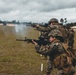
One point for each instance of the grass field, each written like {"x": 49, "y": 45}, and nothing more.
{"x": 19, "y": 58}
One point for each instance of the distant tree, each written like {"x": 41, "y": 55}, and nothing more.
{"x": 4, "y": 23}
{"x": 14, "y": 21}
{"x": 18, "y": 22}
{"x": 0, "y": 21}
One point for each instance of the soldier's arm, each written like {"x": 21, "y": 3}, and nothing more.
{"x": 46, "y": 29}
{"x": 43, "y": 29}
{"x": 45, "y": 50}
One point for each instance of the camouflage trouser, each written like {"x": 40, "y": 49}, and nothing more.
{"x": 64, "y": 68}
{"x": 70, "y": 43}
{"x": 50, "y": 66}
{"x": 74, "y": 62}
{"x": 69, "y": 70}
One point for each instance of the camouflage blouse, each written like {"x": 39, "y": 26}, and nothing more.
{"x": 47, "y": 29}
{"x": 53, "y": 49}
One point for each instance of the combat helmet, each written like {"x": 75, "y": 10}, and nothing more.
{"x": 53, "y": 20}
{"x": 56, "y": 33}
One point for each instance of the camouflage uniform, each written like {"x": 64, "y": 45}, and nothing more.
{"x": 70, "y": 44}
{"x": 58, "y": 56}
{"x": 65, "y": 33}
{"x": 43, "y": 36}
{"x": 46, "y": 30}
{"x": 50, "y": 28}
{"x": 71, "y": 38}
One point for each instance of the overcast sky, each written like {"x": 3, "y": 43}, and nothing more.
{"x": 37, "y": 10}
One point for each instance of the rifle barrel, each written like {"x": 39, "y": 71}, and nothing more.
{"x": 20, "y": 40}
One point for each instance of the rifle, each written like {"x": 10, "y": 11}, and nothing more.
{"x": 40, "y": 42}
{"x": 35, "y": 24}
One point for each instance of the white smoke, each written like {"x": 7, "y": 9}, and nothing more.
{"x": 20, "y": 30}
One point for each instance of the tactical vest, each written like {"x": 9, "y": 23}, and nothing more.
{"x": 70, "y": 52}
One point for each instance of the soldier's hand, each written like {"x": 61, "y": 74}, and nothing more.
{"x": 35, "y": 43}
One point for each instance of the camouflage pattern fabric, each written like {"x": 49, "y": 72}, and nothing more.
{"x": 71, "y": 38}
{"x": 56, "y": 51}
{"x": 51, "y": 28}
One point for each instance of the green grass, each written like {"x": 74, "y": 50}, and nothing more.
{"x": 19, "y": 58}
